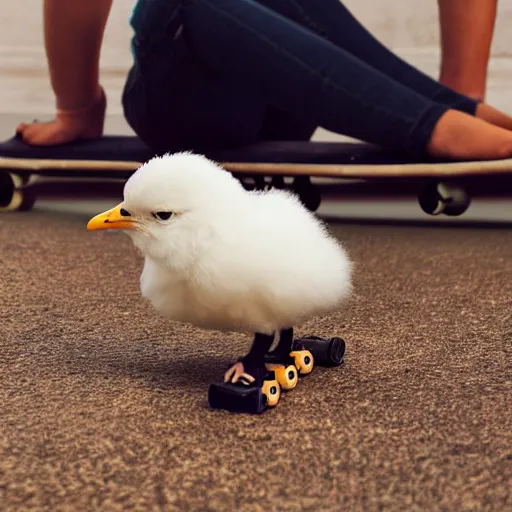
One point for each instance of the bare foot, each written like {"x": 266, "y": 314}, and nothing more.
{"x": 493, "y": 116}
{"x": 68, "y": 125}
{"x": 459, "y": 136}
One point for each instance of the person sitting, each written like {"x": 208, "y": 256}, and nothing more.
{"x": 227, "y": 73}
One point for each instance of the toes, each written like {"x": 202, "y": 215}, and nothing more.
{"x": 237, "y": 372}
{"x": 248, "y": 378}
{"x": 21, "y": 128}
{"x": 44, "y": 134}
{"x": 231, "y": 372}
{"x": 29, "y": 133}
{"x": 228, "y": 374}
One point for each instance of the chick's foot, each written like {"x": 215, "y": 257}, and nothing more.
{"x": 245, "y": 390}
{"x": 239, "y": 373}
{"x": 248, "y": 384}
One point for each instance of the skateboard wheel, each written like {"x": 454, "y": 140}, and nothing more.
{"x": 247, "y": 183}
{"x": 12, "y": 197}
{"x": 286, "y": 376}
{"x": 278, "y": 183}
{"x": 260, "y": 183}
{"x": 307, "y": 193}
{"x": 272, "y": 391}
{"x": 438, "y": 198}
{"x": 304, "y": 361}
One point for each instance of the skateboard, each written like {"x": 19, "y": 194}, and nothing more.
{"x": 441, "y": 187}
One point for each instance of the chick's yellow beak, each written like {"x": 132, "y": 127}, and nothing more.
{"x": 116, "y": 218}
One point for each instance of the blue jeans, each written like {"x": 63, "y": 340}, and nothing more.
{"x": 225, "y": 73}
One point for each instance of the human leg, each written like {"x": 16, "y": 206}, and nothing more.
{"x": 73, "y": 33}
{"x": 465, "y": 50}
{"x": 172, "y": 100}
{"x": 333, "y": 21}
{"x": 467, "y": 28}
{"x": 300, "y": 72}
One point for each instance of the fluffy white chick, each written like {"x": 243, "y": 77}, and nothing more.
{"x": 223, "y": 258}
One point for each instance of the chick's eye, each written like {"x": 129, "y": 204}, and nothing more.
{"x": 162, "y": 215}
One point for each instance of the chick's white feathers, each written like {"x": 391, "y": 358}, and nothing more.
{"x": 229, "y": 259}
{"x": 183, "y": 181}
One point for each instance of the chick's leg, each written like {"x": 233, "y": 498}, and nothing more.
{"x": 252, "y": 366}
{"x": 286, "y": 354}
{"x": 284, "y": 346}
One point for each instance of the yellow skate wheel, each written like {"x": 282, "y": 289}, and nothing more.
{"x": 272, "y": 391}
{"x": 304, "y": 361}
{"x": 287, "y": 376}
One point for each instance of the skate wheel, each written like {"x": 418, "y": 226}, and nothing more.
{"x": 278, "y": 183}
{"x": 272, "y": 392}
{"x": 336, "y": 351}
{"x": 326, "y": 351}
{"x": 307, "y": 193}
{"x": 286, "y": 376}
{"x": 438, "y": 198}
{"x": 13, "y": 198}
{"x": 304, "y": 361}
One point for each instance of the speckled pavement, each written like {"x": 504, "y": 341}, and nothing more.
{"x": 103, "y": 403}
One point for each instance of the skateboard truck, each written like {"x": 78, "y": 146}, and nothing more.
{"x": 326, "y": 351}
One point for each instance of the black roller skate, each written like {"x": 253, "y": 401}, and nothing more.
{"x": 244, "y": 396}
{"x": 254, "y": 383}
{"x": 326, "y": 351}
{"x": 249, "y": 386}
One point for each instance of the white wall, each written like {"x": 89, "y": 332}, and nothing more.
{"x": 412, "y": 24}
{"x": 402, "y": 24}
{"x": 408, "y": 26}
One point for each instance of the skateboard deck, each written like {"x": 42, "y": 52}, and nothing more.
{"x": 119, "y": 156}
